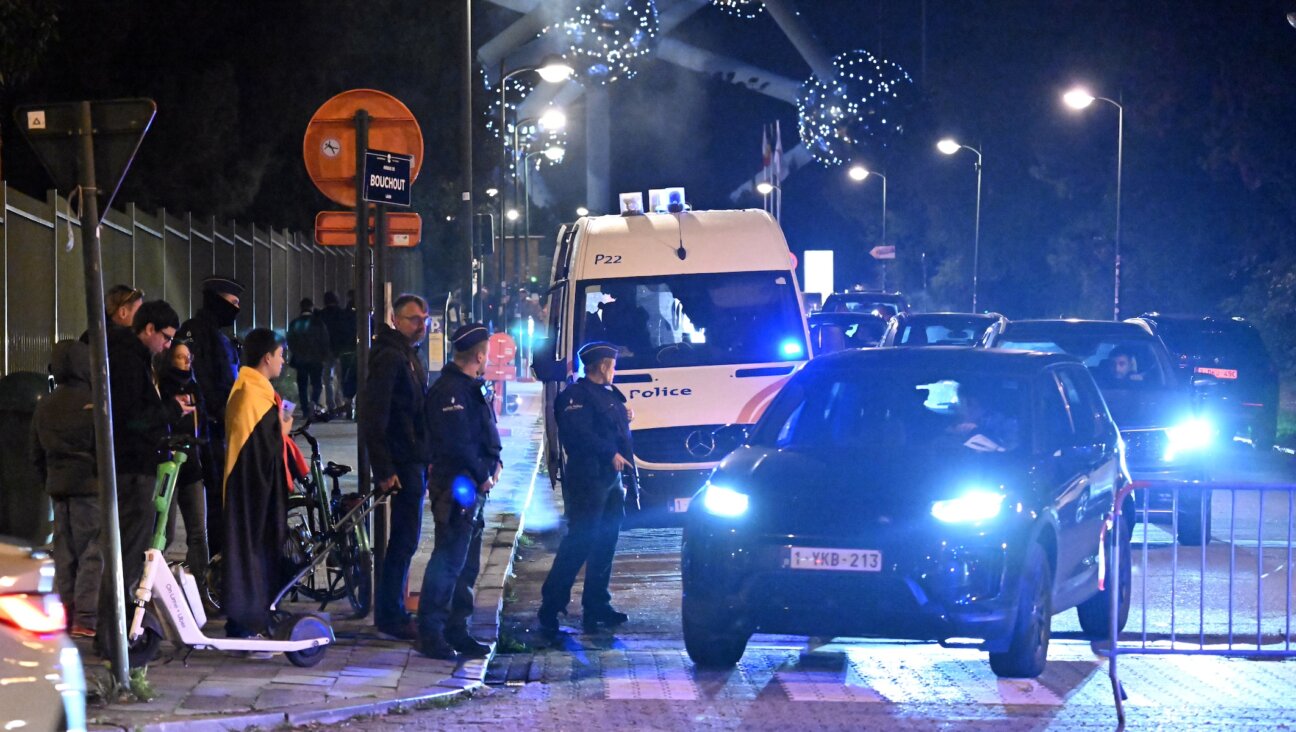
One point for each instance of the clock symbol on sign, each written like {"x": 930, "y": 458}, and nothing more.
{"x": 331, "y": 148}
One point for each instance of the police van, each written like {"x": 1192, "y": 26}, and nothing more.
{"x": 705, "y": 308}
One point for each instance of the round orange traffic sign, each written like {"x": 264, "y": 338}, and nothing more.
{"x": 329, "y": 148}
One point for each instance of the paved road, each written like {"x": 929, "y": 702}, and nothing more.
{"x": 641, "y": 676}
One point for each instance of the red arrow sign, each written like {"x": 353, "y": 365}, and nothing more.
{"x": 883, "y": 252}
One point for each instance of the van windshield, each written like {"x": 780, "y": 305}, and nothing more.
{"x": 670, "y": 321}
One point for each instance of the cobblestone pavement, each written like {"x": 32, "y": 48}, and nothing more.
{"x": 362, "y": 671}
{"x": 641, "y": 677}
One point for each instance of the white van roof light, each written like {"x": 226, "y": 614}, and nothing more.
{"x": 631, "y": 204}
{"x": 667, "y": 200}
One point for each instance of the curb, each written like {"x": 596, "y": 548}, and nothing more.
{"x": 499, "y": 564}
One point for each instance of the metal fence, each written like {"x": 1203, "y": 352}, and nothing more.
{"x": 1231, "y": 596}
{"x": 42, "y": 292}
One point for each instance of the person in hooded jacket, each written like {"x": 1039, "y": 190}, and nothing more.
{"x": 215, "y": 367}
{"x": 63, "y": 450}
{"x": 175, "y": 381}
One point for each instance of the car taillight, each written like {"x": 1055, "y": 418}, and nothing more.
{"x": 40, "y": 614}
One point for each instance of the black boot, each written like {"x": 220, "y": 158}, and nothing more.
{"x": 604, "y": 616}
{"x": 548, "y": 618}
{"x": 466, "y": 645}
{"x": 437, "y": 647}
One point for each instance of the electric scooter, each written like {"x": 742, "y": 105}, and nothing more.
{"x": 167, "y": 601}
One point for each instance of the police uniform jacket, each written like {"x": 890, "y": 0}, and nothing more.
{"x": 461, "y": 428}
{"x": 592, "y": 426}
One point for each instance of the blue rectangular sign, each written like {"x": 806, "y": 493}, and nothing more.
{"x": 387, "y": 177}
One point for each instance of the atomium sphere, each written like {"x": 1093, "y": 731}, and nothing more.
{"x": 605, "y": 40}
{"x": 864, "y": 106}
{"x": 745, "y": 9}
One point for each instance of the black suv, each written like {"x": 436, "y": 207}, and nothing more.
{"x": 934, "y": 493}
{"x": 1229, "y": 367}
{"x": 882, "y": 304}
{"x": 942, "y": 329}
{"x": 1167, "y": 443}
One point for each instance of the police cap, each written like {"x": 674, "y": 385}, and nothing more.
{"x": 223, "y": 286}
{"x": 592, "y": 353}
{"x": 467, "y": 336}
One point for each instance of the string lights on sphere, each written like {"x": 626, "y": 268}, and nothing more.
{"x": 864, "y": 105}
{"x": 745, "y": 9}
{"x": 605, "y": 40}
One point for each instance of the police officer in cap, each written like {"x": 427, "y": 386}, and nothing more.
{"x": 465, "y": 448}
{"x": 594, "y": 430}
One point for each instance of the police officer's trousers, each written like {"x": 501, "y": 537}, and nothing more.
{"x": 590, "y": 541}
{"x": 446, "y": 600}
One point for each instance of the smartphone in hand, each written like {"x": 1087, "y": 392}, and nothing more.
{"x": 288, "y": 408}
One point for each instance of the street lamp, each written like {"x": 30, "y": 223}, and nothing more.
{"x": 859, "y": 174}
{"x": 512, "y": 214}
{"x": 492, "y": 192}
{"x": 1078, "y": 99}
{"x": 553, "y": 153}
{"x": 582, "y": 211}
{"x": 949, "y": 147}
{"x": 765, "y": 188}
{"x": 552, "y": 69}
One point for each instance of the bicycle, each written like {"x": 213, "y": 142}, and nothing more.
{"x": 313, "y": 514}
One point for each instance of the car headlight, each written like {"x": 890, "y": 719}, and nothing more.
{"x": 973, "y": 506}
{"x": 1190, "y": 435}
{"x": 721, "y": 501}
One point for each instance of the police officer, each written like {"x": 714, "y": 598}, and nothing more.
{"x": 594, "y": 430}
{"x": 465, "y": 448}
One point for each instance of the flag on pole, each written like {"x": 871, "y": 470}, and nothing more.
{"x": 778, "y": 171}
{"x": 766, "y": 155}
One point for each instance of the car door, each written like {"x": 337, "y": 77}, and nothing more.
{"x": 1090, "y": 470}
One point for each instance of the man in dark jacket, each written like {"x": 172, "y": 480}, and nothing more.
{"x": 396, "y": 435}
{"x": 341, "y": 340}
{"x": 63, "y": 449}
{"x": 141, "y": 420}
{"x": 465, "y": 466}
{"x": 215, "y": 366}
{"x": 594, "y": 430}
{"x": 308, "y": 349}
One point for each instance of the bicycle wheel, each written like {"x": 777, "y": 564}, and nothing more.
{"x": 358, "y": 573}
{"x": 326, "y": 583}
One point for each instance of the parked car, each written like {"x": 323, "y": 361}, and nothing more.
{"x": 1230, "y": 368}
{"x": 882, "y": 304}
{"x": 832, "y": 332}
{"x": 942, "y": 329}
{"x": 944, "y": 494}
{"x": 42, "y": 683}
{"x": 1167, "y": 444}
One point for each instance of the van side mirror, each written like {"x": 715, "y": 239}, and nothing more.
{"x": 547, "y": 368}
{"x": 729, "y": 438}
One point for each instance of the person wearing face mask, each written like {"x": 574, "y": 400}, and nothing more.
{"x": 215, "y": 367}
{"x": 175, "y": 381}
{"x": 465, "y": 450}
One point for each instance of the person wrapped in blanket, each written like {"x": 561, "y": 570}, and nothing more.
{"x": 261, "y": 462}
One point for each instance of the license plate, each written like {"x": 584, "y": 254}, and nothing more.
{"x": 1218, "y": 373}
{"x": 680, "y": 505}
{"x": 838, "y": 560}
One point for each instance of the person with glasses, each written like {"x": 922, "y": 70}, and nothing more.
{"x": 395, "y": 433}
{"x": 141, "y": 418}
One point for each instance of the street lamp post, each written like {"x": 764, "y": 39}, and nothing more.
{"x": 553, "y": 70}
{"x": 859, "y": 174}
{"x": 949, "y": 147}
{"x": 554, "y": 153}
{"x": 765, "y": 188}
{"x": 1079, "y": 99}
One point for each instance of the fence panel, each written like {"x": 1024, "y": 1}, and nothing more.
{"x": 264, "y": 307}
{"x": 29, "y": 298}
{"x": 69, "y": 285}
{"x": 176, "y": 268}
{"x": 118, "y": 252}
{"x": 278, "y": 294}
{"x": 149, "y": 256}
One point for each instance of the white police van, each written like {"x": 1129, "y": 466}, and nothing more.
{"x": 705, "y": 307}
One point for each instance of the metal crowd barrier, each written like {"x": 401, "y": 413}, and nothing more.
{"x": 1208, "y": 612}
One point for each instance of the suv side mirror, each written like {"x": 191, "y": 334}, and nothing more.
{"x": 729, "y": 438}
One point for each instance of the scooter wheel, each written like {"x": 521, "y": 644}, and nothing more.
{"x": 306, "y": 627}
{"x": 144, "y": 649}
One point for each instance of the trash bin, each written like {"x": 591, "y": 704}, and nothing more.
{"x": 25, "y": 509}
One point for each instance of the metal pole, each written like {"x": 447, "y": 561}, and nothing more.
{"x": 381, "y": 517}
{"x": 363, "y": 299}
{"x": 110, "y": 538}
{"x": 466, "y": 160}
{"x": 504, "y": 153}
{"x": 520, "y": 260}
{"x": 884, "y": 239}
{"x": 1120, "y": 163}
{"x": 976, "y": 237}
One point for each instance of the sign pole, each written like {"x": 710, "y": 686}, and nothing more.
{"x": 465, "y": 146}
{"x": 382, "y": 517}
{"x": 363, "y": 299}
{"x": 110, "y": 538}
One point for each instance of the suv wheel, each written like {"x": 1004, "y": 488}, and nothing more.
{"x": 1095, "y": 613}
{"x": 1028, "y": 650}
{"x": 711, "y": 642}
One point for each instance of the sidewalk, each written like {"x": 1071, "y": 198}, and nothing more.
{"x": 362, "y": 673}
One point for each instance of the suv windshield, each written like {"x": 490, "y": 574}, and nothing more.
{"x": 1115, "y": 362}
{"x": 945, "y": 332}
{"x": 694, "y": 320}
{"x": 1227, "y": 345}
{"x": 893, "y": 411}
